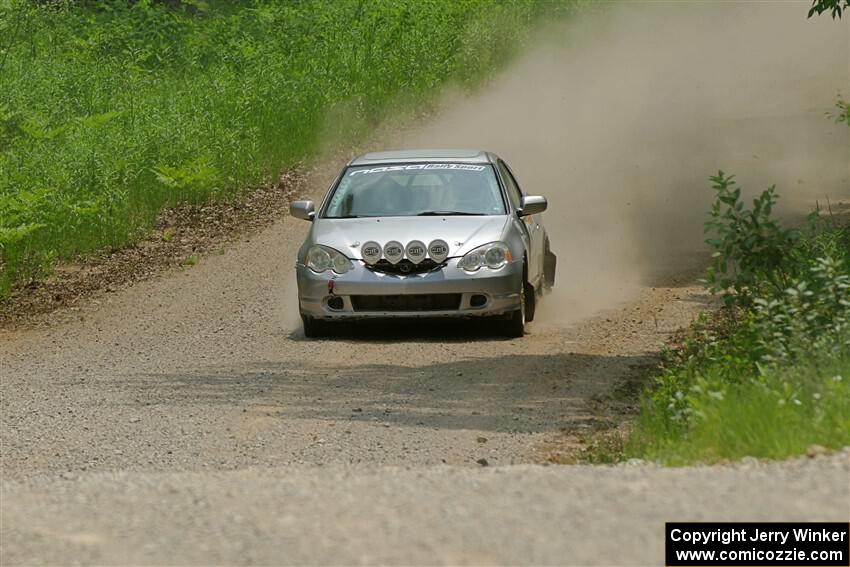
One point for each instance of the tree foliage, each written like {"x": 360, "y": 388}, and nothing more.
{"x": 834, "y": 7}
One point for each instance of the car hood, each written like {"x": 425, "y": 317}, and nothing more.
{"x": 462, "y": 233}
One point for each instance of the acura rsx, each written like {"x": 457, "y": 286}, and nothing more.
{"x": 423, "y": 233}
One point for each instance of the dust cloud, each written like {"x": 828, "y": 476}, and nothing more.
{"x": 620, "y": 117}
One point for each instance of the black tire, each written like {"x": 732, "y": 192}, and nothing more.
{"x": 514, "y": 324}
{"x": 550, "y": 263}
{"x": 314, "y": 328}
{"x": 530, "y": 301}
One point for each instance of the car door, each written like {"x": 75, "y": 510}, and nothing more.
{"x": 529, "y": 225}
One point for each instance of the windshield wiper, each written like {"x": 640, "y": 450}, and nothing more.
{"x": 446, "y": 213}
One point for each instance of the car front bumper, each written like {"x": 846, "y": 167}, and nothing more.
{"x": 483, "y": 293}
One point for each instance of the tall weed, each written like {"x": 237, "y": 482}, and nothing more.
{"x": 112, "y": 110}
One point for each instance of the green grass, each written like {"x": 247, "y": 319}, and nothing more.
{"x": 112, "y": 110}
{"x": 775, "y": 416}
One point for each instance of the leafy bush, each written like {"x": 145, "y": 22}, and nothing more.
{"x": 834, "y": 7}
{"x": 749, "y": 247}
{"x": 112, "y": 110}
{"x": 841, "y": 112}
{"x": 768, "y": 375}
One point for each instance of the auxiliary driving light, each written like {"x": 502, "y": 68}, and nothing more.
{"x": 371, "y": 252}
{"x": 393, "y": 251}
{"x": 438, "y": 250}
{"x": 416, "y": 251}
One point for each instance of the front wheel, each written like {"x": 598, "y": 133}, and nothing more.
{"x": 514, "y": 325}
{"x": 314, "y": 328}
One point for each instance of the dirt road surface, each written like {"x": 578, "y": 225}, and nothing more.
{"x": 181, "y": 422}
{"x": 523, "y": 515}
{"x": 187, "y": 420}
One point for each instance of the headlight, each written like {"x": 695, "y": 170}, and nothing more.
{"x": 321, "y": 259}
{"x": 493, "y": 255}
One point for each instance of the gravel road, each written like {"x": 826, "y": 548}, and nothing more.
{"x": 186, "y": 420}
{"x": 522, "y": 514}
{"x": 206, "y": 370}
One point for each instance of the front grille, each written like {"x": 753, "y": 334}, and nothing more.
{"x": 405, "y": 267}
{"x": 416, "y": 302}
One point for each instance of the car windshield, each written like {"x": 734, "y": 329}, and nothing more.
{"x": 416, "y": 189}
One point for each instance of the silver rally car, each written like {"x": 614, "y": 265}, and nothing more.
{"x": 423, "y": 233}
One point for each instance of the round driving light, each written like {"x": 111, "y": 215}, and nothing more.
{"x": 495, "y": 257}
{"x": 371, "y": 252}
{"x": 472, "y": 261}
{"x": 438, "y": 250}
{"x": 393, "y": 251}
{"x": 416, "y": 251}
{"x": 341, "y": 264}
{"x": 318, "y": 259}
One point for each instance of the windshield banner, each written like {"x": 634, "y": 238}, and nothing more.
{"x": 415, "y": 166}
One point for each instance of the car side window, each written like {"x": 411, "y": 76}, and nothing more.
{"x": 514, "y": 193}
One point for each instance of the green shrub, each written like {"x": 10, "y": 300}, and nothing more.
{"x": 749, "y": 245}
{"x": 769, "y": 375}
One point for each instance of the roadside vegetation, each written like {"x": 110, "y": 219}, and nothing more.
{"x": 768, "y": 376}
{"x": 112, "y": 110}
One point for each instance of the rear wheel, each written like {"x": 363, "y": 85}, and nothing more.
{"x": 550, "y": 262}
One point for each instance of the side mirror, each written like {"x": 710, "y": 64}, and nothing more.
{"x": 532, "y": 205}
{"x": 304, "y": 210}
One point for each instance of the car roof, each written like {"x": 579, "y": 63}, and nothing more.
{"x": 407, "y": 156}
